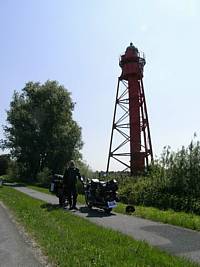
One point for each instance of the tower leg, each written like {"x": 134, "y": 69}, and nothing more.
{"x": 113, "y": 124}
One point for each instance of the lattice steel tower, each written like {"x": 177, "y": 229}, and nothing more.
{"x": 133, "y": 149}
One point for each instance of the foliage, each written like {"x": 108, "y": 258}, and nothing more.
{"x": 69, "y": 240}
{"x": 44, "y": 177}
{"x": 4, "y": 163}
{"x": 173, "y": 182}
{"x": 41, "y": 131}
{"x": 13, "y": 172}
{"x": 85, "y": 169}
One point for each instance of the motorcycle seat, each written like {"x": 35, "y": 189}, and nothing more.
{"x": 103, "y": 183}
{"x": 95, "y": 181}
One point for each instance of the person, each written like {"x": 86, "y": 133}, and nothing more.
{"x": 70, "y": 181}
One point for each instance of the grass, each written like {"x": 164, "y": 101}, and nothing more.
{"x": 69, "y": 240}
{"x": 183, "y": 219}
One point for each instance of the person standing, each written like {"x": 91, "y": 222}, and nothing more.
{"x": 70, "y": 183}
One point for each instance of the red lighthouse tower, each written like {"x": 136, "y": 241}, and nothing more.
{"x": 130, "y": 120}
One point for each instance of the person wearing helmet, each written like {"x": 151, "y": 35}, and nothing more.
{"x": 70, "y": 180}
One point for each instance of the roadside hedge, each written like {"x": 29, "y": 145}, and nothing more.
{"x": 172, "y": 183}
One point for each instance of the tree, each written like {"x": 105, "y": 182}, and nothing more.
{"x": 4, "y": 163}
{"x": 85, "y": 169}
{"x": 41, "y": 132}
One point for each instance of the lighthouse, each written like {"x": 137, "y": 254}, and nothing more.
{"x": 134, "y": 150}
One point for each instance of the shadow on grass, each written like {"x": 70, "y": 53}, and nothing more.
{"x": 50, "y": 207}
{"x": 95, "y": 212}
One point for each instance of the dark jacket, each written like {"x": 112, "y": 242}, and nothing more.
{"x": 70, "y": 176}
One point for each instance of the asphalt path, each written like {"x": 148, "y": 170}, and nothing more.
{"x": 14, "y": 249}
{"x": 173, "y": 239}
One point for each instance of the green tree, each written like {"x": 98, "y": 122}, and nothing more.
{"x": 85, "y": 169}
{"x": 4, "y": 163}
{"x": 41, "y": 132}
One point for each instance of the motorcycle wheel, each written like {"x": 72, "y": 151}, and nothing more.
{"x": 88, "y": 203}
{"x": 60, "y": 200}
{"x": 108, "y": 211}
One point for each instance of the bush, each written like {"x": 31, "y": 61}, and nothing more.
{"x": 172, "y": 183}
{"x": 4, "y": 163}
{"x": 13, "y": 172}
{"x": 44, "y": 177}
{"x": 85, "y": 169}
{"x": 80, "y": 188}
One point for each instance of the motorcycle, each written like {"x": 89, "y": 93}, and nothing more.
{"x": 100, "y": 194}
{"x": 57, "y": 188}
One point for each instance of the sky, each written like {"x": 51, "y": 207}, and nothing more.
{"x": 78, "y": 43}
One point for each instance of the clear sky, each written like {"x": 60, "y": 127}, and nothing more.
{"x": 79, "y": 43}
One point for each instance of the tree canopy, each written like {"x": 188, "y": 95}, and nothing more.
{"x": 41, "y": 132}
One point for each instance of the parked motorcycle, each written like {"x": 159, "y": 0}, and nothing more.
{"x": 100, "y": 194}
{"x": 57, "y": 188}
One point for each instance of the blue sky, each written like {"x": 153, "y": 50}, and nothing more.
{"x": 79, "y": 43}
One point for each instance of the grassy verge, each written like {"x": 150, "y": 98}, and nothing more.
{"x": 69, "y": 240}
{"x": 183, "y": 219}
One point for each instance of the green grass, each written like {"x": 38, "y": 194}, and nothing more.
{"x": 69, "y": 240}
{"x": 183, "y": 219}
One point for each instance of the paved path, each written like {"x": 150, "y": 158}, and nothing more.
{"x": 176, "y": 240}
{"x": 14, "y": 251}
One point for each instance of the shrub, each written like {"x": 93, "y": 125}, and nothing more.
{"x": 44, "y": 177}
{"x": 13, "y": 172}
{"x": 172, "y": 183}
{"x": 4, "y": 163}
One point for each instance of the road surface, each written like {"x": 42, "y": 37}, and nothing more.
{"x": 14, "y": 250}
